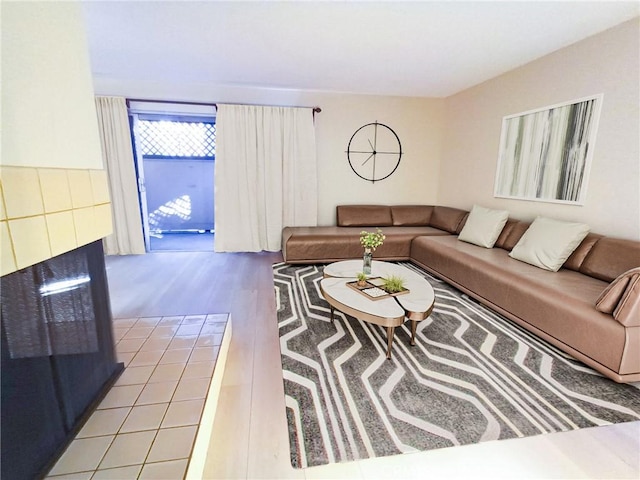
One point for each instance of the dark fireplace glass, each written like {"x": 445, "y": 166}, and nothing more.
{"x": 58, "y": 357}
{"x": 47, "y": 309}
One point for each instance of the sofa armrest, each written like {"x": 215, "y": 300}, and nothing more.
{"x": 286, "y": 235}
{"x": 622, "y": 298}
{"x": 628, "y": 310}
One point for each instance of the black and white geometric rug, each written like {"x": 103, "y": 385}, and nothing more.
{"x": 473, "y": 376}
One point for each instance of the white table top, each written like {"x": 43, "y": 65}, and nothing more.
{"x": 419, "y": 299}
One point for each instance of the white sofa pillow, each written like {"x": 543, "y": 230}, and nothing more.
{"x": 483, "y": 226}
{"x": 548, "y": 243}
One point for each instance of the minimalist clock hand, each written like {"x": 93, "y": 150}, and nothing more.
{"x": 373, "y": 178}
{"x": 369, "y": 158}
{"x": 375, "y": 136}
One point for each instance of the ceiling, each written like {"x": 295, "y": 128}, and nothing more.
{"x": 420, "y": 48}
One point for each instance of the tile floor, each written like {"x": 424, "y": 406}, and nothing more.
{"x": 146, "y": 425}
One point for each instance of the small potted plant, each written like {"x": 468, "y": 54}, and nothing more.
{"x": 362, "y": 279}
{"x": 370, "y": 241}
{"x": 393, "y": 284}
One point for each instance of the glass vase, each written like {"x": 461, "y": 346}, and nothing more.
{"x": 367, "y": 258}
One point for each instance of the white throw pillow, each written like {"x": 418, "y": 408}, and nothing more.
{"x": 483, "y": 226}
{"x": 548, "y": 243}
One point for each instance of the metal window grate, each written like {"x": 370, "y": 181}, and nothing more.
{"x": 169, "y": 138}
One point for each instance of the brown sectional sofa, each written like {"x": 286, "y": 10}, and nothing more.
{"x": 557, "y": 306}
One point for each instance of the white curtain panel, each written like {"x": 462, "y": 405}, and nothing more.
{"x": 117, "y": 154}
{"x": 265, "y": 175}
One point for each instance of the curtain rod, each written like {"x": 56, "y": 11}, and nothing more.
{"x": 315, "y": 109}
{"x": 177, "y": 102}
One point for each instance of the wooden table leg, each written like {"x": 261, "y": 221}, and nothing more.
{"x": 332, "y": 312}
{"x": 414, "y": 324}
{"x": 390, "y": 332}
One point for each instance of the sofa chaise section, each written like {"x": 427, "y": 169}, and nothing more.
{"x": 558, "y": 306}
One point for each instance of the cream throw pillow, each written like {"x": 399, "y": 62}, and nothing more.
{"x": 483, "y": 226}
{"x": 548, "y": 243}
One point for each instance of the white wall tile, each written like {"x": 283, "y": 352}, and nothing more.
{"x": 21, "y": 188}
{"x": 81, "y": 189}
{"x": 100, "y": 185}
{"x": 55, "y": 189}
{"x": 84, "y": 220}
{"x": 30, "y": 240}
{"x": 62, "y": 232}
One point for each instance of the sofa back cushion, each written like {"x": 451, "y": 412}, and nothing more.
{"x": 448, "y": 219}
{"x": 411, "y": 215}
{"x": 574, "y": 262}
{"x": 511, "y": 234}
{"x": 363, "y": 216}
{"x": 504, "y": 234}
{"x": 610, "y": 257}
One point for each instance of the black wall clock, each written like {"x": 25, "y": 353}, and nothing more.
{"x": 374, "y": 151}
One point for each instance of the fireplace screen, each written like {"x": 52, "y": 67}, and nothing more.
{"x": 47, "y": 309}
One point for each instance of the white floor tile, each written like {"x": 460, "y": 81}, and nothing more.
{"x": 120, "y": 473}
{"x": 174, "y": 469}
{"x": 144, "y": 417}
{"x": 123, "y": 396}
{"x": 128, "y": 449}
{"x": 172, "y": 444}
{"x": 104, "y": 422}
{"x": 135, "y": 375}
{"x": 157, "y": 393}
{"x": 82, "y": 455}
{"x": 184, "y": 413}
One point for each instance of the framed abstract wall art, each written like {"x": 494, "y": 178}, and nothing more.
{"x": 545, "y": 154}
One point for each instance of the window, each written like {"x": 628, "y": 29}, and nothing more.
{"x": 175, "y": 137}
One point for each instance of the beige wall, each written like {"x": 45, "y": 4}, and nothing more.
{"x": 607, "y": 63}
{"x": 48, "y": 114}
{"x": 417, "y": 121}
{"x": 418, "y": 124}
{"x": 53, "y": 189}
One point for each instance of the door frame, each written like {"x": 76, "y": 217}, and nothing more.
{"x": 142, "y": 191}
{"x": 134, "y": 119}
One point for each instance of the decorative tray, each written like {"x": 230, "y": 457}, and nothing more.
{"x": 374, "y": 289}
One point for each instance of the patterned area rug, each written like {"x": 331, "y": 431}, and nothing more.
{"x": 473, "y": 376}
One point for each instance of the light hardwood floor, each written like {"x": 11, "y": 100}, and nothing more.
{"x": 249, "y": 438}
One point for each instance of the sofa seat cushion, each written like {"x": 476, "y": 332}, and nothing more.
{"x": 325, "y": 244}
{"x": 561, "y": 304}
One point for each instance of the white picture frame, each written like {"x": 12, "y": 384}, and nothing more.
{"x": 545, "y": 154}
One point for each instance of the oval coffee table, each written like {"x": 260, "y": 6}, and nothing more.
{"x": 388, "y": 312}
